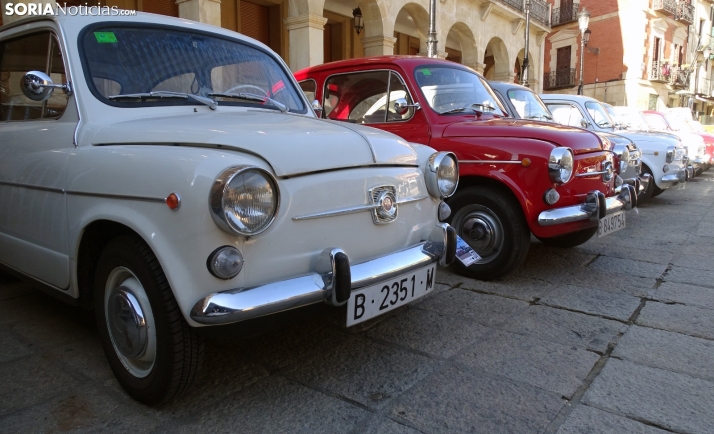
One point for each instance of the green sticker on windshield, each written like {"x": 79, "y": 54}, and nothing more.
{"x": 425, "y": 71}
{"x": 106, "y": 37}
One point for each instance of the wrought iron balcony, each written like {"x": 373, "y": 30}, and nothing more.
{"x": 565, "y": 14}
{"x": 660, "y": 71}
{"x": 679, "y": 77}
{"x": 685, "y": 13}
{"x": 540, "y": 11}
{"x": 559, "y": 79}
{"x": 515, "y": 4}
{"x": 668, "y": 7}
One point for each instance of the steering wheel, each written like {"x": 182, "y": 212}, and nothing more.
{"x": 250, "y": 86}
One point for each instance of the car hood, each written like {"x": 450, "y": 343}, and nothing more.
{"x": 579, "y": 140}
{"x": 291, "y": 144}
{"x": 646, "y": 136}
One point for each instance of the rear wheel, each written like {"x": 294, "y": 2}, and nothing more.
{"x": 570, "y": 240}
{"x": 492, "y": 223}
{"x": 152, "y": 351}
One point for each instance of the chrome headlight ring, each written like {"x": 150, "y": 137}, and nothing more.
{"x": 244, "y": 200}
{"x": 561, "y": 164}
{"x": 442, "y": 174}
{"x": 623, "y": 155}
{"x": 670, "y": 154}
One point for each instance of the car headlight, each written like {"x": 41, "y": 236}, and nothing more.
{"x": 442, "y": 174}
{"x": 560, "y": 165}
{"x": 623, "y": 154}
{"x": 671, "y": 150}
{"x": 244, "y": 200}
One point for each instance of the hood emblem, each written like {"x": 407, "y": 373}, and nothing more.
{"x": 385, "y": 199}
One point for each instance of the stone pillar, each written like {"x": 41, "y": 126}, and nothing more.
{"x": 305, "y": 33}
{"x": 507, "y": 77}
{"x": 378, "y": 45}
{"x": 439, "y": 54}
{"x": 6, "y": 19}
{"x": 203, "y": 11}
{"x": 476, "y": 66}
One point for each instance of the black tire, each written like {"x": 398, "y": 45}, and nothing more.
{"x": 500, "y": 224}
{"x": 649, "y": 191}
{"x": 570, "y": 240}
{"x": 657, "y": 191}
{"x": 173, "y": 354}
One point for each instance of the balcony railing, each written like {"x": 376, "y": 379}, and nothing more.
{"x": 540, "y": 11}
{"x": 559, "y": 79}
{"x": 685, "y": 13}
{"x": 515, "y": 4}
{"x": 668, "y": 7}
{"x": 679, "y": 77}
{"x": 565, "y": 14}
{"x": 660, "y": 71}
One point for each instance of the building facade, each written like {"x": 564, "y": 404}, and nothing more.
{"x": 486, "y": 35}
{"x": 639, "y": 52}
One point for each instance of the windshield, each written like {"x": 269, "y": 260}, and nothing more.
{"x": 455, "y": 90}
{"x": 599, "y": 115}
{"x": 656, "y": 122}
{"x": 678, "y": 124}
{"x": 123, "y": 64}
{"x": 633, "y": 120}
{"x": 528, "y": 105}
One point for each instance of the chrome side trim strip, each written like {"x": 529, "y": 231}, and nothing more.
{"x": 352, "y": 210}
{"x": 602, "y": 172}
{"x": 118, "y": 196}
{"x": 491, "y": 161}
{"x": 33, "y": 187}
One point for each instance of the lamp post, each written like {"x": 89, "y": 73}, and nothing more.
{"x": 431, "y": 38}
{"x": 524, "y": 67}
{"x": 359, "y": 24}
{"x": 583, "y": 20}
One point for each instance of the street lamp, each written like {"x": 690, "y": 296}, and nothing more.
{"x": 583, "y": 20}
{"x": 524, "y": 71}
{"x": 359, "y": 24}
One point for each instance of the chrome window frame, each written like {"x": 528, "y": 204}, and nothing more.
{"x": 391, "y": 71}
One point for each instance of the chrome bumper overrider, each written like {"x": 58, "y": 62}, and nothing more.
{"x": 596, "y": 206}
{"x": 682, "y": 175}
{"x": 331, "y": 282}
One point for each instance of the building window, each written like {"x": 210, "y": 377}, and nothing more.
{"x": 652, "y": 105}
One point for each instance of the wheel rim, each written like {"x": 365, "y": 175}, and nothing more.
{"x": 130, "y": 322}
{"x": 482, "y": 230}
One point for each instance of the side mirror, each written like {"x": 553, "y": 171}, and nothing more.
{"x": 584, "y": 123}
{"x": 317, "y": 108}
{"x": 38, "y": 86}
{"x": 401, "y": 106}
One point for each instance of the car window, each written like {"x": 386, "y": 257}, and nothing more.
{"x": 309, "y": 88}
{"x": 566, "y": 114}
{"x": 599, "y": 115}
{"x": 122, "y": 62}
{"x": 528, "y": 105}
{"x": 36, "y": 52}
{"x": 365, "y": 97}
{"x": 656, "y": 122}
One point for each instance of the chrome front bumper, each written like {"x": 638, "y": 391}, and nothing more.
{"x": 331, "y": 282}
{"x": 596, "y": 206}
{"x": 682, "y": 175}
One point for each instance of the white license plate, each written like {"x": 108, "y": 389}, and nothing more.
{"x": 375, "y": 300}
{"x": 611, "y": 223}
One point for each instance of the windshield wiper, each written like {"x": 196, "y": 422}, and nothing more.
{"x": 163, "y": 94}
{"x": 539, "y": 117}
{"x": 455, "y": 110}
{"x": 604, "y": 124}
{"x": 253, "y": 97}
{"x": 486, "y": 107}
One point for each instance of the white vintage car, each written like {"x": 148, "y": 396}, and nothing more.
{"x": 172, "y": 176}
{"x": 664, "y": 157}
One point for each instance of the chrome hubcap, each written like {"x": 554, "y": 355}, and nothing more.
{"x": 130, "y": 322}
{"x": 482, "y": 230}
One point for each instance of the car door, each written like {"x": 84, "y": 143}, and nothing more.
{"x": 368, "y": 98}
{"x": 36, "y": 138}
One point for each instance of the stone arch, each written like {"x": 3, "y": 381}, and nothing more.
{"x": 462, "y": 33}
{"x": 532, "y": 62}
{"x": 499, "y": 67}
{"x": 420, "y": 17}
{"x": 298, "y": 8}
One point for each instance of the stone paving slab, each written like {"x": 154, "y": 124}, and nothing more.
{"x": 12, "y": 347}
{"x": 627, "y": 252}
{"x": 273, "y": 405}
{"x": 564, "y": 327}
{"x": 690, "y": 260}
{"x": 547, "y": 365}
{"x": 456, "y": 400}
{"x": 628, "y": 266}
{"x": 692, "y": 276}
{"x": 592, "y": 301}
{"x": 364, "y": 371}
{"x": 664, "y": 398}
{"x": 674, "y": 292}
{"x": 15, "y": 289}
{"x": 602, "y": 280}
{"x": 689, "y": 320}
{"x": 589, "y": 420}
{"x": 429, "y": 331}
{"x": 511, "y": 286}
{"x": 488, "y": 310}
{"x": 667, "y": 350}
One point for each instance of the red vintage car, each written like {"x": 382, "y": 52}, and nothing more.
{"x": 517, "y": 176}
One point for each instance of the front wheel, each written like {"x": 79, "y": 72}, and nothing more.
{"x": 152, "y": 351}
{"x": 492, "y": 223}
{"x": 648, "y": 192}
{"x": 570, "y": 240}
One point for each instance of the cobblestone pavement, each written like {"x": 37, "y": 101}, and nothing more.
{"x": 615, "y": 336}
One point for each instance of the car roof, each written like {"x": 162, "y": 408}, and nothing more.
{"x": 567, "y": 96}
{"x": 406, "y": 62}
{"x": 503, "y": 86}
